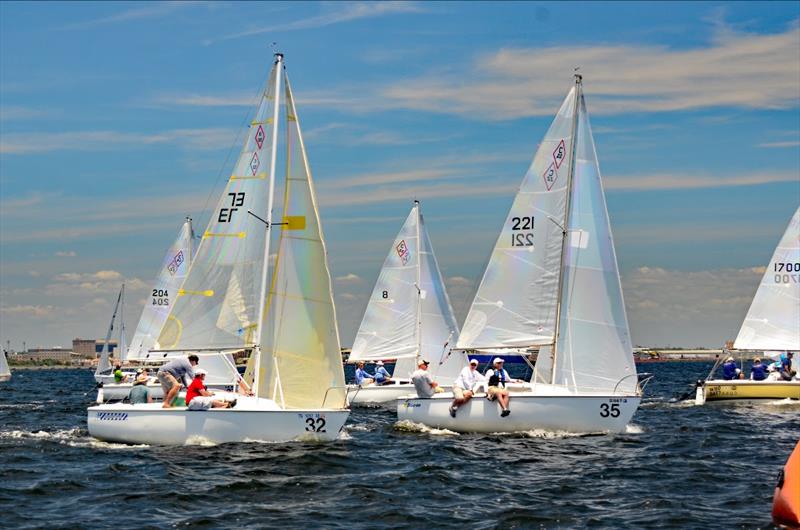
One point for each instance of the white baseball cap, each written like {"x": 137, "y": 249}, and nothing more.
{"x": 200, "y": 371}
{"x": 497, "y": 360}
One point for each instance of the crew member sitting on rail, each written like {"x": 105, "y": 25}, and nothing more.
{"x": 786, "y": 367}
{"x": 119, "y": 377}
{"x": 729, "y": 370}
{"x": 759, "y": 371}
{"x": 498, "y": 378}
{"x": 198, "y": 397}
{"x": 423, "y": 381}
{"x": 362, "y": 376}
{"x": 382, "y": 377}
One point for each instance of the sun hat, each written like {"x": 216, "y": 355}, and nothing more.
{"x": 473, "y": 361}
{"x": 200, "y": 371}
{"x": 379, "y": 363}
{"x": 497, "y": 360}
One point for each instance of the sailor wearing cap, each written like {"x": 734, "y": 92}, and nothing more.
{"x": 498, "y": 377}
{"x": 464, "y": 385}
{"x": 423, "y": 381}
{"x": 382, "y": 377}
{"x": 729, "y": 370}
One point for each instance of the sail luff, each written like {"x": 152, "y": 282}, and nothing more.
{"x": 270, "y": 201}
{"x": 5, "y": 371}
{"x": 565, "y": 232}
{"x": 122, "y": 346}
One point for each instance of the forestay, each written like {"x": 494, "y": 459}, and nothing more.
{"x": 217, "y": 306}
{"x": 773, "y": 321}
{"x": 164, "y": 292}
{"x": 515, "y": 305}
{"x": 593, "y": 351}
{"x": 300, "y": 361}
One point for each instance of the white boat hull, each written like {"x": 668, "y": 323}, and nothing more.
{"x": 120, "y": 391}
{"x": 378, "y": 394}
{"x": 252, "y": 420}
{"x": 529, "y": 411}
{"x": 4, "y": 378}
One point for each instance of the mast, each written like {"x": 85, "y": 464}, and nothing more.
{"x": 565, "y": 229}
{"x": 191, "y": 238}
{"x": 270, "y": 197}
{"x": 123, "y": 347}
{"x": 419, "y": 290}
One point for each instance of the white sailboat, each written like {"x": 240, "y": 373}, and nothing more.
{"x": 163, "y": 294}
{"x": 5, "y": 371}
{"x": 772, "y": 325}
{"x": 104, "y": 372}
{"x": 408, "y": 317}
{"x": 229, "y": 302}
{"x": 552, "y": 282}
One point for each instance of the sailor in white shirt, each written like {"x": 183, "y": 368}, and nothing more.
{"x": 464, "y": 385}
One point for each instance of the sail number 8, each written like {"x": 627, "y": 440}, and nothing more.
{"x": 607, "y": 410}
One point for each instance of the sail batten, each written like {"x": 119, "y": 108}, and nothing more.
{"x": 773, "y": 319}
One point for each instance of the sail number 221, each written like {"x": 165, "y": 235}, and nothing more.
{"x": 521, "y": 235}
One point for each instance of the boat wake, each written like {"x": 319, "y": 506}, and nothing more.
{"x": 410, "y": 426}
{"x": 71, "y": 437}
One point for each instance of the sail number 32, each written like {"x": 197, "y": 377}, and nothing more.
{"x": 315, "y": 424}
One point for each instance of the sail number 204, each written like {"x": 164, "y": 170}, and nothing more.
{"x": 782, "y": 270}
{"x": 521, "y": 231}
{"x": 160, "y": 297}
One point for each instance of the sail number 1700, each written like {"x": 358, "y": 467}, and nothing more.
{"x": 521, "y": 235}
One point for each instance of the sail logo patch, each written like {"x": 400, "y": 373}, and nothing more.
{"x": 175, "y": 263}
{"x": 260, "y": 136}
{"x": 560, "y": 153}
{"x": 550, "y": 176}
{"x": 403, "y": 251}
{"x": 254, "y": 163}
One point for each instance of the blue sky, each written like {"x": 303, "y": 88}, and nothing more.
{"x": 116, "y": 120}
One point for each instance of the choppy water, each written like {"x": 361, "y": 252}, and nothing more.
{"x": 677, "y": 466}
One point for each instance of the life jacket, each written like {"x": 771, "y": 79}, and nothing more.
{"x": 498, "y": 378}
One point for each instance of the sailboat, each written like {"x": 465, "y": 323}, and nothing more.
{"x": 232, "y": 300}
{"x": 104, "y": 372}
{"x": 5, "y": 371}
{"x": 772, "y": 325}
{"x": 408, "y": 317}
{"x": 552, "y": 283}
{"x": 155, "y": 313}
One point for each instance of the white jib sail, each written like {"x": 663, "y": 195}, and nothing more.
{"x": 163, "y": 293}
{"x": 773, "y": 321}
{"x": 4, "y": 369}
{"x": 104, "y": 363}
{"x": 300, "y": 365}
{"x": 515, "y": 305}
{"x": 594, "y": 351}
{"x": 217, "y": 306}
{"x": 390, "y": 329}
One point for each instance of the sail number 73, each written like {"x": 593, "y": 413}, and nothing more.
{"x": 522, "y": 231}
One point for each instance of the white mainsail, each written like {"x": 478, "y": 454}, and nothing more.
{"x": 104, "y": 364}
{"x": 773, "y": 320}
{"x": 594, "y": 351}
{"x": 299, "y": 362}
{"x": 515, "y": 305}
{"x": 164, "y": 292}
{"x": 409, "y": 313}
{"x": 230, "y": 257}
{"x": 5, "y": 371}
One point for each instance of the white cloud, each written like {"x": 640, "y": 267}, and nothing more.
{"x": 675, "y": 181}
{"x": 697, "y": 308}
{"x": 148, "y": 10}
{"x": 28, "y": 310}
{"x": 66, "y": 253}
{"x": 519, "y": 82}
{"x": 195, "y": 139}
{"x": 344, "y": 12}
{"x": 11, "y": 112}
{"x": 794, "y": 143}
{"x": 349, "y": 278}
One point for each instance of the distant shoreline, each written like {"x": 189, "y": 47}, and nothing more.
{"x": 15, "y": 367}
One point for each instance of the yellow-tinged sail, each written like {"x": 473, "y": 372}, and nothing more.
{"x": 300, "y": 364}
